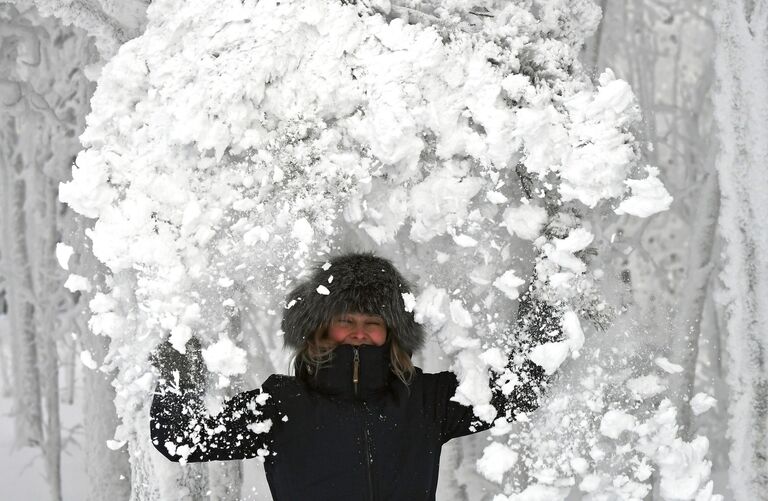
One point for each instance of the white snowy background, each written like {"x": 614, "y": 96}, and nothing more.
{"x": 168, "y": 169}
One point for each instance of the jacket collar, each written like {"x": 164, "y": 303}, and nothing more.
{"x": 336, "y": 378}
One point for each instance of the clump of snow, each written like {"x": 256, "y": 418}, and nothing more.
{"x": 180, "y": 334}
{"x": 649, "y": 196}
{"x": 701, "y": 403}
{"x": 525, "y": 221}
{"x": 87, "y": 360}
{"x": 508, "y": 283}
{"x": 63, "y": 253}
{"x": 646, "y": 386}
{"x": 225, "y": 358}
{"x": 77, "y": 283}
{"x": 430, "y": 307}
{"x": 549, "y": 356}
{"x": 409, "y": 300}
{"x": 497, "y": 459}
{"x": 573, "y": 332}
{"x": 115, "y": 444}
{"x": 260, "y": 426}
{"x": 668, "y": 366}
{"x": 615, "y": 422}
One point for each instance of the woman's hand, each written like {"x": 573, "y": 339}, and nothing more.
{"x": 186, "y": 370}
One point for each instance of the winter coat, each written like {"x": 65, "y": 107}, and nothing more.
{"x": 329, "y": 438}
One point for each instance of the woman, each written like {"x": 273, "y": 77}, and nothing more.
{"x": 357, "y": 421}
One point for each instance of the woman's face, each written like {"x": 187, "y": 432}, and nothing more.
{"x": 357, "y": 329}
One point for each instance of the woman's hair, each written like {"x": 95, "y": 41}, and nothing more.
{"x": 317, "y": 352}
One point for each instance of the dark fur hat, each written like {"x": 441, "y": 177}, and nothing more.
{"x": 353, "y": 283}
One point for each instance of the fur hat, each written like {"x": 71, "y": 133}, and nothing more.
{"x": 351, "y": 283}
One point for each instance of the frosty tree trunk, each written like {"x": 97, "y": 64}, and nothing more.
{"x": 685, "y": 344}
{"x": 108, "y": 471}
{"x": 21, "y": 311}
{"x": 741, "y": 110}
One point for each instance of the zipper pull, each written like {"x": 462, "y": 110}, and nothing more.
{"x": 356, "y": 370}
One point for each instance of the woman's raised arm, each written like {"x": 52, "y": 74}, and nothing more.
{"x": 536, "y": 323}
{"x": 183, "y": 431}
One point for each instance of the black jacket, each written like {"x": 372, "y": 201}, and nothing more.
{"x": 330, "y": 439}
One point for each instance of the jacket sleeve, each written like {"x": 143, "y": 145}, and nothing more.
{"x": 182, "y": 430}
{"x": 517, "y": 390}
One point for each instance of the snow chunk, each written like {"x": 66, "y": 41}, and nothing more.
{"x": 579, "y": 465}
{"x": 496, "y": 461}
{"x": 225, "y": 358}
{"x": 573, "y": 332}
{"x": 409, "y": 300}
{"x": 432, "y": 216}
{"x": 77, "y": 283}
{"x": 87, "y": 359}
{"x": 302, "y": 231}
{"x": 590, "y": 483}
{"x": 464, "y": 241}
{"x": 89, "y": 191}
{"x": 495, "y": 358}
{"x": 683, "y": 468}
{"x": 260, "y": 426}
{"x": 495, "y": 197}
{"x": 649, "y": 196}
{"x": 525, "y": 221}
{"x": 561, "y": 250}
{"x": 255, "y": 235}
{"x": 179, "y": 337}
{"x": 577, "y": 240}
{"x": 322, "y": 289}
{"x": 430, "y": 307}
{"x": 614, "y": 422}
{"x": 459, "y": 315}
{"x": 508, "y": 284}
{"x": 116, "y": 444}
{"x": 645, "y": 386}
{"x": 63, "y": 253}
{"x": 668, "y": 366}
{"x": 549, "y": 356}
{"x": 701, "y": 403}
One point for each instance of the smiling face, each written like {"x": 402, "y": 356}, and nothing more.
{"x": 357, "y": 329}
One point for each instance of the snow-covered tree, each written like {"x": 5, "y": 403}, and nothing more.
{"x": 741, "y": 112}
{"x": 43, "y": 100}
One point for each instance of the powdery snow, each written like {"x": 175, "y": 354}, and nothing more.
{"x": 701, "y": 403}
{"x": 549, "y": 356}
{"x": 615, "y": 422}
{"x": 648, "y": 196}
{"x": 63, "y": 253}
{"x": 225, "y": 358}
{"x": 209, "y": 162}
{"x": 497, "y": 459}
{"x": 77, "y": 283}
{"x": 508, "y": 283}
{"x": 525, "y": 221}
{"x": 668, "y": 366}
{"x": 646, "y": 386}
{"x": 87, "y": 360}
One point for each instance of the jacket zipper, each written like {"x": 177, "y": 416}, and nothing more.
{"x": 366, "y": 447}
{"x": 356, "y": 370}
